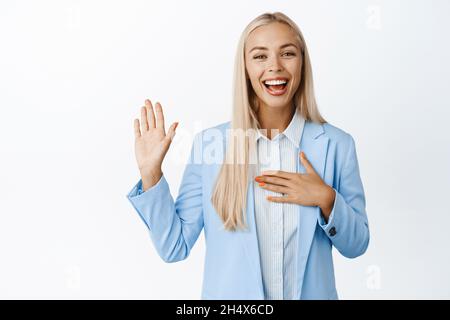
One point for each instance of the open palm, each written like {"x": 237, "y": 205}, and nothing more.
{"x": 151, "y": 140}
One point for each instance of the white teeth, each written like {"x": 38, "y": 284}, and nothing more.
{"x": 275, "y": 82}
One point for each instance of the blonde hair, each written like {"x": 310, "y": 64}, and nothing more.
{"x": 229, "y": 196}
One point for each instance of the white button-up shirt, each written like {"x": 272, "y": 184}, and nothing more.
{"x": 277, "y": 223}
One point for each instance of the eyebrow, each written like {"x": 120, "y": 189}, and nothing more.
{"x": 281, "y": 47}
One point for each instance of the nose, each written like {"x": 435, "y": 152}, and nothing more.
{"x": 275, "y": 65}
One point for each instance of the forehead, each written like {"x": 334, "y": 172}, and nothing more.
{"x": 273, "y": 34}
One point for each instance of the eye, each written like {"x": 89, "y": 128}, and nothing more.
{"x": 262, "y": 55}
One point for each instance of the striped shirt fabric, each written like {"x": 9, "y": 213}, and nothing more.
{"x": 277, "y": 223}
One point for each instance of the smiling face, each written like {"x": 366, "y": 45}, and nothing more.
{"x": 272, "y": 52}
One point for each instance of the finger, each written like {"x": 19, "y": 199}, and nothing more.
{"x": 275, "y": 188}
{"x": 171, "y": 132}
{"x": 150, "y": 115}
{"x": 278, "y": 173}
{"x": 273, "y": 180}
{"x": 159, "y": 116}
{"x": 137, "y": 131}
{"x": 305, "y": 162}
{"x": 286, "y": 199}
{"x": 144, "y": 123}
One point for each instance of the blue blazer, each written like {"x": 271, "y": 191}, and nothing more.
{"x": 232, "y": 264}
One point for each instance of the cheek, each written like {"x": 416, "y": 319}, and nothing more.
{"x": 294, "y": 67}
{"x": 295, "y": 70}
{"x": 295, "y": 82}
{"x": 255, "y": 75}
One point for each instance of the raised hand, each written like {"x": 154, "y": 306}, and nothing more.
{"x": 151, "y": 143}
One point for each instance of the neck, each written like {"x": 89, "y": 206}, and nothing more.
{"x": 275, "y": 118}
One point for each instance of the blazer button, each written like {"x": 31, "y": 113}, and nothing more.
{"x": 332, "y": 231}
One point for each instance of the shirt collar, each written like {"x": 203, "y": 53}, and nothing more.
{"x": 293, "y": 131}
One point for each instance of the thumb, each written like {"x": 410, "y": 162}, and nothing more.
{"x": 305, "y": 162}
{"x": 171, "y": 132}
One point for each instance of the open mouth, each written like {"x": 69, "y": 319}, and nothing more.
{"x": 276, "y": 88}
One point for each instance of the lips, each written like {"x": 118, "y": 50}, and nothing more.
{"x": 276, "y": 90}
{"x": 277, "y": 78}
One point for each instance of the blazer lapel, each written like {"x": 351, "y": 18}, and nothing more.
{"x": 314, "y": 144}
{"x": 250, "y": 241}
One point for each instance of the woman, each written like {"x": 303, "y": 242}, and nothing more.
{"x": 269, "y": 236}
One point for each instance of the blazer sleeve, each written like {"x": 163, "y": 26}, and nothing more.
{"x": 347, "y": 226}
{"x": 174, "y": 226}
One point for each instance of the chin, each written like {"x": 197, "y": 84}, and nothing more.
{"x": 276, "y": 102}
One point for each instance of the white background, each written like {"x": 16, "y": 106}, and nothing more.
{"x": 73, "y": 75}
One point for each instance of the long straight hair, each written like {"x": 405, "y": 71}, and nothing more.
{"x": 229, "y": 196}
